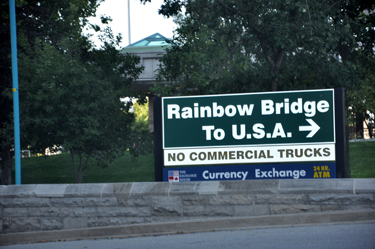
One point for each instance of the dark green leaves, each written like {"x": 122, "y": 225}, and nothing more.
{"x": 234, "y": 46}
{"x": 69, "y": 91}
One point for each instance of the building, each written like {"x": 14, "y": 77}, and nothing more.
{"x": 150, "y": 49}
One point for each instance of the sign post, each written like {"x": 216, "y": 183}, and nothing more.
{"x": 16, "y": 111}
{"x": 273, "y": 133}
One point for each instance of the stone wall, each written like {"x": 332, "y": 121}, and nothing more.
{"x": 31, "y": 208}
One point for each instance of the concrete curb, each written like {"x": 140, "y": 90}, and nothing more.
{"x": 191, "y": 226}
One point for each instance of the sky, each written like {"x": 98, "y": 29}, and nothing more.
{"x": 144, "y": 19}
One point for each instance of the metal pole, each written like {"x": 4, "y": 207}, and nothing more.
{"x": 341, "y": 152}
{"x": 16, "y": 110}
{"x": 158, "y": 140}
{"x": 129, "y": 21}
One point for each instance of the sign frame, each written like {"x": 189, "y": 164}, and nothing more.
{"x": 338, "y": 131}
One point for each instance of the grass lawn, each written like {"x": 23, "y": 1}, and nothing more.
{"x": 59, "y": 168}
{"x": 362, "y": 159}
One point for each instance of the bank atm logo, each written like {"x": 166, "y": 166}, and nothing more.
{"x": 173, "y": 175}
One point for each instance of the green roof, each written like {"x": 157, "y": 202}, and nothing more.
{"x": 155, "y": 42}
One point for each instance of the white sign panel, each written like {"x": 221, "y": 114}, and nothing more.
{"x": 250, "y": 154}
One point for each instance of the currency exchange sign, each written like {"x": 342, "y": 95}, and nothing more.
{"x": 292, "y": 126}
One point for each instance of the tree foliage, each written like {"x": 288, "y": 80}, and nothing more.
{"x": 361, "y": 96}
{"x": 6, "y": 127}
{"x": 230, "y": 46}
{"x": 69, "y": 90}
{"x": 235, "y": 46}
{"x": 142, "y": 139}
{"x": 75, "y": 104}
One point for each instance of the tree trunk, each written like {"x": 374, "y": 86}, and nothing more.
{"x": 369, "y": 128}
{"x": 359, "y": 124}
{"x": 6, "y": 166}
{"x": 74, "y": 166}
{"x": 79, "y": 170}
{"x": 276, "y": 64}
{"x": 275, "y": 83}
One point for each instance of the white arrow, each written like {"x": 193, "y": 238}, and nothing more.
{"x": 314, "y": 128}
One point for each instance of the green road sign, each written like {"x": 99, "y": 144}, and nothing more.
{"x": 265, "y": 119}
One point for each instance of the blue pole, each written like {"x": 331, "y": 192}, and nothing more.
{"x": 16, "y": 109}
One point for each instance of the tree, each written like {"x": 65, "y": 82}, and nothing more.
{"x": 361, "y": 97}
{"x": 226, "y": 46}
{"x": 76, "y": 104}
{"x": 234, "y": 46}
{"x": 44, "y": 19}
{"x": 69, "y": 91}
{"x": 6, "y": 105}
{"x": 142, "y": 139}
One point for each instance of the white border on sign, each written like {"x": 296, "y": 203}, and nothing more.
{"x": 241, "y": 94}
{"x": 250, "y": 155}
